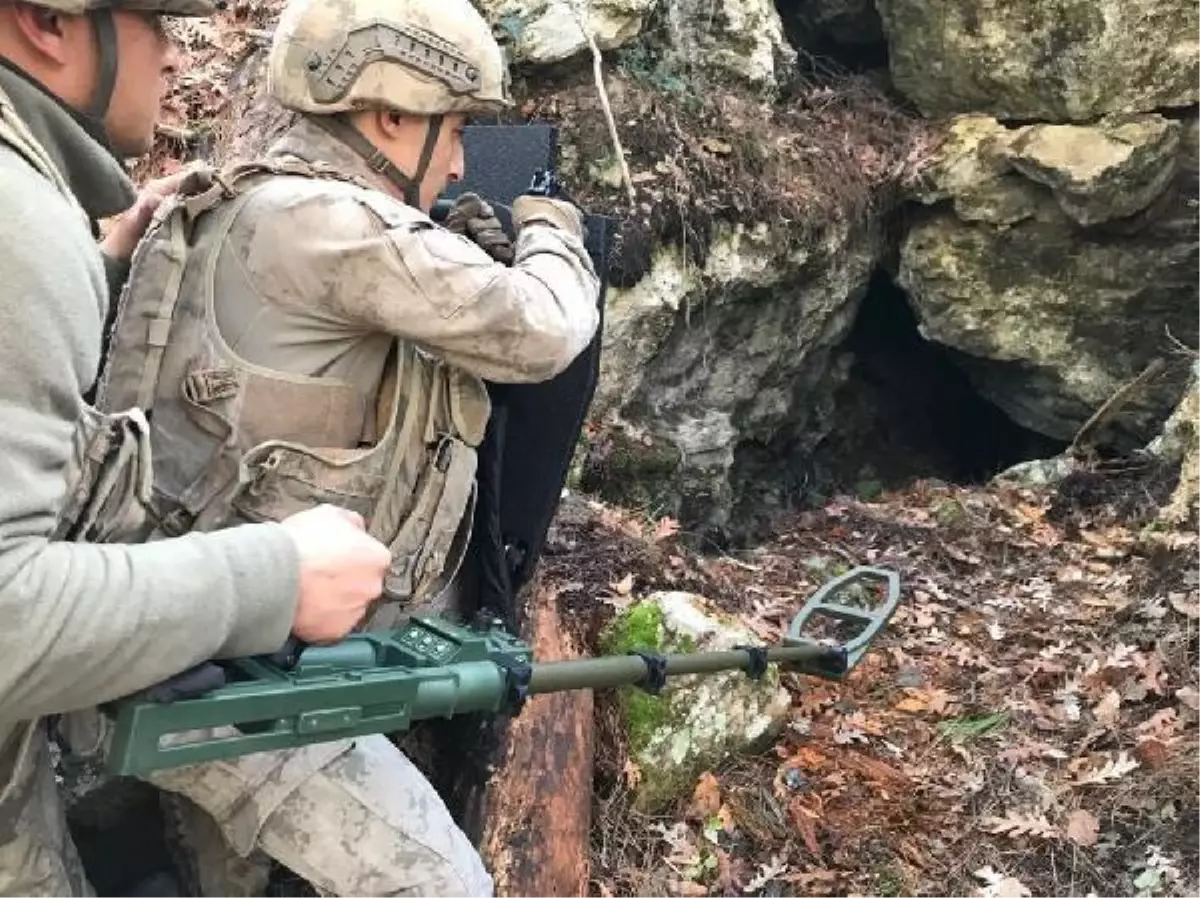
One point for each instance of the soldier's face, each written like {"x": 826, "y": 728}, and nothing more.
{"x": 146, "y": 59}
{"x": 446, "y": 163}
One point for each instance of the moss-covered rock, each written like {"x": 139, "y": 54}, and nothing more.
{"x": 1053, "y": 60}
{"x": 632, "y": 469}
{"x": 696, "y": 722}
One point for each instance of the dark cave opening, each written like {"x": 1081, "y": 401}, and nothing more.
{"x": 908, "y": 411}
{"x": 849, "y": 35}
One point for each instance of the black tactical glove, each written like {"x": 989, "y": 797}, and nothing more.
{"x": 473, "y": 218}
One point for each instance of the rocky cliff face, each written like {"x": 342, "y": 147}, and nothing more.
{"x": 1046, "y": 60}
{"x": 1048, "y": 245}
{"x": 1058, "y": 259}
{"x": 761, "y": 210}
{"x": 1024, "y": 172}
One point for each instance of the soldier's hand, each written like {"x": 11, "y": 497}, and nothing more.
{"x": 550, "y": 211}
{"x": 128, "y": 227}
{"x": 341, "y": 571}
{"x": 475, "y": 219}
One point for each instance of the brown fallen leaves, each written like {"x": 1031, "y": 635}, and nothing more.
{"x": 1035, "y": 693}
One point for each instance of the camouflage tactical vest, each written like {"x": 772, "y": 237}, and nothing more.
{"x": 236, "y": 442}
{"x": 108, "y": 472}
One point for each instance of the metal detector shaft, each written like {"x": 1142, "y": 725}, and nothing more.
{"x": 384, "y": 681}
{"x": 632, "y": 670}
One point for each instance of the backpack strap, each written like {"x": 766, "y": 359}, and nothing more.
{"x": 171, "y": 230}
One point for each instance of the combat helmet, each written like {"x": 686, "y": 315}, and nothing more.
{"x": 427, "y": 58}
{"x": 92, "y": 117}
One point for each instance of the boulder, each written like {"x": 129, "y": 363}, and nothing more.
{"x": 546, "y": 31}
{"x": 697, "y": 721}
{"x": 740, "y": 37}
{"x": 1179, "y": 444}
{"x": 1050, "y": 60}
{"x": 1100, "y": 173}
{"x": 715, "y": 377}
{"x": 1055, "y": 259}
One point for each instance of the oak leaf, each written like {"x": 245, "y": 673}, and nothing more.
{"x": 1083, "y": 828}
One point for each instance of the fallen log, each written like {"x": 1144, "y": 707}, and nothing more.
{"x": 521, "y": 788}
{"x": 537, "y": 808}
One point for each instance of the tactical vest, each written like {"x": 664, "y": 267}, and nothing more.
{"x": 108, "y": 472}
{"x": 236, "y": 442}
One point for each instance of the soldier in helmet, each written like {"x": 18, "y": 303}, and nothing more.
{"x": 86, "y": 620}
{"x": 329, "y": 342}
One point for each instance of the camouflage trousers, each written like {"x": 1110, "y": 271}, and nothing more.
{"x": 37, "y": 856}
{"x": 353, "y": 818}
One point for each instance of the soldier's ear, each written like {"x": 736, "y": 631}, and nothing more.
{"x": 390, "y": 123}
{"x": 46, "y": 31}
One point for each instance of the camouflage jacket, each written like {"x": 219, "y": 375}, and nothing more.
{"x": 324, "y": 342}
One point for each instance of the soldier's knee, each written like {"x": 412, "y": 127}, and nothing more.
{"x": 474, "y": 880}
{"x": 459, "y": 871}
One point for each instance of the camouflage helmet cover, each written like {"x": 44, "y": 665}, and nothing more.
{"x": 166, "y": 7}
{"x": 422, "y": 57}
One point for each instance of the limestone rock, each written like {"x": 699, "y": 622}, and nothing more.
{"x": 1040, "y": 472}
{"x": 972, "y": 170}
{"x": 1180, "y": 442}
{"x": 1096, "y": 173}
{"x": 697, "y": 721}
{"x": 1104, "y": 172}
{"x": 1054, "y": 60}
{"x": 1050, "y": 317}
{"x": 718, "y": 375}
{"x": 742, "y": 37}
{"x": 546, "y": 31}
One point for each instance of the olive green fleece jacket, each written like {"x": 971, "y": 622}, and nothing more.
{"x": 82, "y": 624}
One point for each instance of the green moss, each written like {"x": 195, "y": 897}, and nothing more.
{"x": 644, "y": 716}
{"x": 638, "y": 628}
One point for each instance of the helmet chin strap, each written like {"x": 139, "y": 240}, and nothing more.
{"x": 91, "y": 118}
{"x": 410, "y": 188}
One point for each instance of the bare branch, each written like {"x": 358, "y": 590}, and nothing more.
{"x": 598, "y": 74}
{"x": 1114, "y": 404}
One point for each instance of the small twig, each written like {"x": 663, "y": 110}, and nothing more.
{"x": 1114, "y": 404}
{"x": 598, "y": 74}
{"x": 1181, "y": 348}
{"x": 184, "y": 135}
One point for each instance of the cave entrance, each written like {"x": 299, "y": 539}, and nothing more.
{"x": 846, "y": 36}
{"x": 908, "y": 411}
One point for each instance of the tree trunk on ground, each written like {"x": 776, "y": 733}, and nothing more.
{"x": 524, "y": 792}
